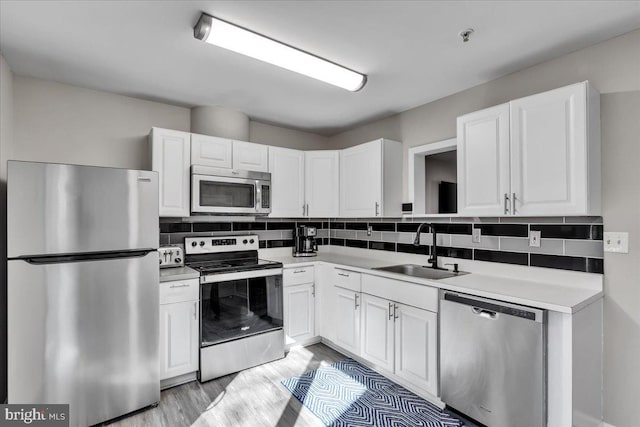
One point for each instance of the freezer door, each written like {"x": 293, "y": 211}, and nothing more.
{"x": 85, "y": 333}
{"x": 63, "y": 209}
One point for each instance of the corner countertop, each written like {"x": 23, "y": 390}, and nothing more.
{"x": 541, "y": 290}
{"x": 177, "y": 273}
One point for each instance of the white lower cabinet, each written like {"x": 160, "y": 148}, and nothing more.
{"x": 377, "y": 331}
{"x": 299, "y": 313}
{"x": 416, "y": 347}
{"x": 178, "y": 339}
{"x": 347, "y": 319}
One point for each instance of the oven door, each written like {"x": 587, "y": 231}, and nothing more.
{"x": 224, "y": 195}
{"x": 236, "y": 307}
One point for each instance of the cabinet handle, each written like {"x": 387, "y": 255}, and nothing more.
{"x": 506, "y": 203}
{"x": 195, "y": 310}
{"x": 178, "y": 286}
{"x": 513, "y": 203}
{"x": 307, "y": 209}
{"x": 390, "y": 311}
{"x": 395, "y": 312}
{"x": 356, "y": 301}
{"x": 377, "y": 208}
{"x": 313, "y": 290}
{"x": 303, "y": 209}
{"x": 298, "y": 271}
{"x": 343, "y": 274}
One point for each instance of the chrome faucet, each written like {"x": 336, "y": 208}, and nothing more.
{"x": 433, "y": 259}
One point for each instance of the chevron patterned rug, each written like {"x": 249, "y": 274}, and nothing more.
{"x": 348, "y": 394}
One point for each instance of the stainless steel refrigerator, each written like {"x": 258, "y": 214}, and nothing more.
{"x": 82, "y": 288}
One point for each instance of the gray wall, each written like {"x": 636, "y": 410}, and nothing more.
{"x": 613, "y": 67}
{"x": 263, "y": 133}
{"x": 6, "y": 135}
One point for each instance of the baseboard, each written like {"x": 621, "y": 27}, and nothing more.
{"x": 603, "y": 424}
{"x": 179, "y": 380}
{"x": 305, "y": 343}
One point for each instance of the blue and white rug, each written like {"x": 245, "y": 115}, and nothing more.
{"x": 347, "y": 393}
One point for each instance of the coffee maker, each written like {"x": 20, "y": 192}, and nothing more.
{"x": 304, "y": 241}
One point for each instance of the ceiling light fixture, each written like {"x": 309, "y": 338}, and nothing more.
{"x": 223, "y": 34}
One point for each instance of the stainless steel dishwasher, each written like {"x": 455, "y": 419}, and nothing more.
{"x": 493, "y": 360}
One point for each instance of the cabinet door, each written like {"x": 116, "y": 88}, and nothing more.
{"x": 287, "y": 182}
{"x": 210, "y": 151}
{"x": 483, "y": 162}
{"x": 549, "y": 152}
{"x": 361, "y": 180}
{"x": 299, "y": 313}
{"x": 347, "y": 316}
{"x": 416, "y": 347}
{"x": 171, "y": 158}
{"x": 178, "y": 339}
{"x": 377, "y": 331}
{"x": 250, "y": 156}
{"x": 322, "y": 183}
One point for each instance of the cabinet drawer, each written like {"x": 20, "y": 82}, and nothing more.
{"x": 412, "y": 294}
{"x": 179, "y": 291}
{"x": 346, "y": 279}
{"x": 297, "y": 276}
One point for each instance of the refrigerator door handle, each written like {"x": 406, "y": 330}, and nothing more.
{"x": 60, "y": 259}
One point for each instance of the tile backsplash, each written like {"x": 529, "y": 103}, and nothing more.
{"x": 568, "y": 243}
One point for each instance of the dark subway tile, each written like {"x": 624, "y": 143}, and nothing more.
{"x": 262, "y": 244}
{"x": 280, "y": 225}
{"x": 338, "y": 225}
{"x": 501, "y": 256}
{"x": 322, "y": 241}
{"x": 164, "y": 239}
{"x": 279, "y": 243}
{"x": 336, "y": 242}
{"x": 452, "y": 228}
{"x": 407, "y": 227}
{"x": 316, "y": 224}
{"x": 569, "y": 231}
{"x": 512, "y": 230}
{"x": 325, "y": 225}
{"x": 383, "y": 226}
{"x": 590, "y": 265}
{"x": 383, "y": 246}
{"x": 247, "y": 226}
{"x": 355, "y": 225}
{"x": 211, "y": 226}
{"x": 175, "y": 227}
{"x": 462, "y": 253}
{"x": 356, "y": 243}
{"x": 412, "y": 249}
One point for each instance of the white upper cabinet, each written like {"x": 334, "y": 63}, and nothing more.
{"x": 211, "y": 151}
{"x": 171, "y": 158}
{"x": 371, "y": 179}
{"x": 548, "y": 163}
{"x": 483, "y": 162}
{"x": 250, "y": 156}
{"x": 553, "y": 140}
{"x": 287, "y": 182}
{"x": 322, "y": 183}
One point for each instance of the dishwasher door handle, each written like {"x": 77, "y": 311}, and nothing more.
{"x": 484, "y": 313}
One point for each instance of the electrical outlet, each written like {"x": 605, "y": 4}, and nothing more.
{"x": 476, "y": 235}
{"x": 616, "y": 242}
{"x": 369, "y": 229}
{"x": 534, "y": 238}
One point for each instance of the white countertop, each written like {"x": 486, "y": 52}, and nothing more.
{"x": 542, "y": 289}
{"x": 177, "y": 273}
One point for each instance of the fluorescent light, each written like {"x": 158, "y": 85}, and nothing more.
{"x": 223, "y": 34}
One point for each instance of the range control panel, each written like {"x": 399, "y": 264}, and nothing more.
{"x": 209, "y": 245}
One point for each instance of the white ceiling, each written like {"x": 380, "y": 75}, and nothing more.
{"x": 410, "y": 50}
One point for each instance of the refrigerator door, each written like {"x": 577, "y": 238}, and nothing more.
{"x": 65, "y": 209}
{"x": 85, "y": 333}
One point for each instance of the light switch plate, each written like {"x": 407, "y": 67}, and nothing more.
{"x": 616, "y": 242}
{"x": 534, "y": 238}
{"x": 476, "y": 236}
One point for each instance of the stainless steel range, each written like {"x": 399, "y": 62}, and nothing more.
{"x": 240, "y": 304}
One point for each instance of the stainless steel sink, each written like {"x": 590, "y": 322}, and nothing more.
{"x": 420, "y": 271}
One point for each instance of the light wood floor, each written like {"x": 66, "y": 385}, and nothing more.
{"x": 251, "y": 398}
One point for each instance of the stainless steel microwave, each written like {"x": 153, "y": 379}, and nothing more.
{"x": 230, "y": 191}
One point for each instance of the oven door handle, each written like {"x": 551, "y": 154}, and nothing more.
{"x": 239, "y": 275}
